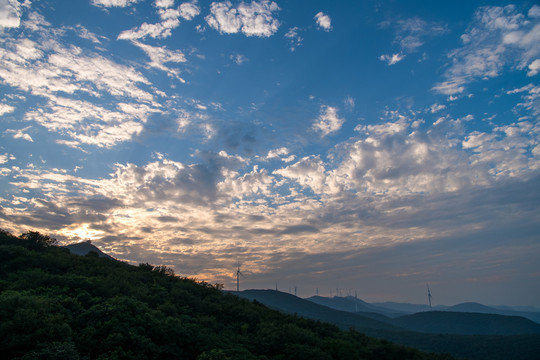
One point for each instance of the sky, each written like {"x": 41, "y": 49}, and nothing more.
{"x": 367, "y": 147}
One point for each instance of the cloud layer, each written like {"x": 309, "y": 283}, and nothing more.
{"x": 239, "y": 131}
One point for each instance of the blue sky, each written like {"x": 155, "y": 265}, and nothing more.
{"x": 369, "y": 146}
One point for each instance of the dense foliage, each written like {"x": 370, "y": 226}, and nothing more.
{"x": 55, "y": 305}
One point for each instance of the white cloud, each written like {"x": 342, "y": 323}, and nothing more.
{"x": 4, "y": 158}
{"x": 239, "y": 59}
{"x": 258, "y": 181}
{"x": 534, "y": 68}
{"x": 323, "y": 21}
{"x": 530, "y": 96}
{"x": 67, "y": 70}
{"x": 309, "y": 172}
{"x": 349, "y": 103}
{"x": 328, "y": 121}
{"x": 498, "y": 36}
{"x": 85, "y": 34}
{"x": 160, "y": 30}
{"x": 295, "y": 40}
{"x": 254, "y": 19}
{"x": 276, "y": 153}
{"x": 163, "y": 3}
{"x": 5, "y": 109}
{"x": 170, "y": 19}
{"x": 189, "y": 10}
{"x": 87, "y": 123}
{"x": 159, "y": 56}
{"x": 534, "y": 12}
{"x": 435, "y": 108}
{"x": 10, "y": 13}
{"x": 20, "y": 134}
{"x": 504, "y": 149}
{"x": 114, "y": 3}
{"x": 392, "y": 59}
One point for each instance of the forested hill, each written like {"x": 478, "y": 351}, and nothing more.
{"x": 56, "y": 305}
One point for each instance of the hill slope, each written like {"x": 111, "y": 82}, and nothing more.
{"x": 444, "y": 322}
{"x": 483, "y": 309}
{"x": 294, "y": 305}
{"x": 352, "y": 304}
{"x": 56, "y": 305}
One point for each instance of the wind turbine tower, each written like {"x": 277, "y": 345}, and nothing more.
{"x": 238, "y": 273}
{"x": 429, "y": 296}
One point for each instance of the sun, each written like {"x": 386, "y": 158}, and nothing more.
{"x": 83, "y": 232}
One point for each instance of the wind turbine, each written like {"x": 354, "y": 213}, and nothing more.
{"x": 238, "y": 273}
{"x": 429, "y": 295}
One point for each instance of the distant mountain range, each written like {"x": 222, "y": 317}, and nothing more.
{"x": 472, "y": 307}
{"x": 393, "y": 309}
{"x": 463, "y": 334}
{"x": 351, "y": 312}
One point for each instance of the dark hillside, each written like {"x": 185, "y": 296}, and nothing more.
{"x": 443, "y": 322}
{"x": 479, "y": 308}
{"x": 352, "y": 304}
{"x": 294, "y": 305}
{"x": 56, "y": 305}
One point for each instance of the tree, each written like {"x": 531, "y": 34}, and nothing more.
{"x": 37, "y": 240}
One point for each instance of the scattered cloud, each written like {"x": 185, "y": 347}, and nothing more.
{"x": 531, "y": 98}
{"x": 170, "y": 19}
{"x": 410, "y": 35}
{"x": 4, "y": 158}
{"x": 534, "y": 68}
{"x": 85, "y": 34}
{"x": 323, "y": 21}
{"x": 254, "y": 19}
{"x": 20, "y": 134}
{"x": 113, "y": 3}
{"x": 349, "y": 103}
{"x": 6, "y": 109}
{"x": 328, "y": 121}
{"x": 293, "y": 35}
{"x": 189, "y": 10}
{"x": 277, "y": 153}
{"x": 238, "y": 59}
{"x": 163, "y": 3}
{"x": 160, "y": 55}
{"x": 497, "y": 37}
{"x": 435, "y": 108}
{"x": 392, "y": 59}
{"x": 65, "y": 75}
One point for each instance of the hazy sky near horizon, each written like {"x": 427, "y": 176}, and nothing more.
{"x": 370, "y": 146}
